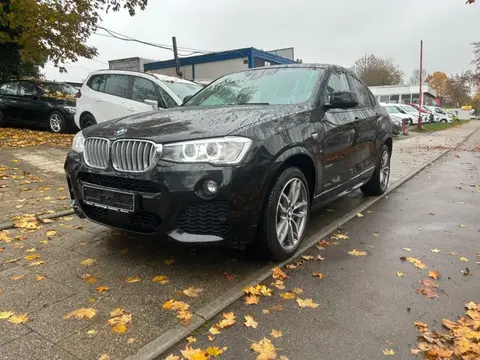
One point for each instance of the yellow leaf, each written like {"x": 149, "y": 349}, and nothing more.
{"x": 463, "y": 259}
{"x": 434, "y": 274}
{"x": 420, "y": 326}
{"x": 104, "y": 357}
{"x": 214, "y": 330}
{"x": 435, "y": 250}
{"x": 40, "y": 277}
{"x": 278, "y": 274}
{"x": 251, "y": 299}
{"x": 463, "y": 225}
{"x": 192, "y": 292}
{"x": 340, "y": 237}
{"x": 288, "y": 296}
{"x": 297, "y": 290}
{"x": 160, "y": 279}
{"x": 4, "y": 237}
{"x": 5, "y": 314}
{"x": 31, "y": 250}
{"x": 214, "y": 351}
{"x": 399, "y": 274}
{"x": 88, "y": 262}
{"x": 452, "y": 253}
{"x": 81, "y": 313}
{"x": 169, "y": 261}
{"x": 43, "y": 242}
{"x": 36, "y": 263}
{"x": 307, "y": 303}
{"x": 172, "y": 357}
{"x": 68, "y": 218}
{"x": 250, "y": 322}
{"x": 18, "y": 277}
{"x": 32, "y": 257}
{"x": 356, "y": 252}
{"x": 308, "y": 257}
{"x": 191, "y": 340}
{"x": 318, "y": 275}
{"x": 417, "y": 263}
{"x": 251, "y": 290}
{"x": 389, "y": 352}
{"x": 119, "y": 328}
{"x": 279, "y": 284}
{"x": 124, "y": 251}
{"x": 102, "y": 289}
{"x": 18, "y": 319}
{"x": 131, "y": 340}
{"x": 276, "y": 333}
{"x": 133, "y": 279}
{"x": 51, "y": 233}
{"x": 407, "y": 249}
{"x": 227, "y": 321}
{"x": 264, "y": 290}
{"x": 194, "y": 354}
{"x": 265, "y": 350}
{"x": 359, "y": 215}
{"x": 89, "y": 279}
{"x": 92, "y": 332}
{"x": 117, "y": 312}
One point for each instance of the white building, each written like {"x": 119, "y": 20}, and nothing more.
{"x": 131, "y": 64}
{"x": 404, "y": 94}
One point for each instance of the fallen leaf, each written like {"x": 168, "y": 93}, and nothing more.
{"x": 250, "y": 322}
{"x": 297, "y": 290}
{"x": 359, "y": 215}
{"x": 40, "y": 277}
{"x": 251, "y": 299}
{"x": 340, "y": 237}
{"x": 81, "y": 313}
{"x": 463, "y": 259}
{"x": 124, "y": 251}
{"x": 278, "y": 274}
{"x": 51, "y": 233}
{"x": 229, "y": 277}
{"x": 452, "y": 253}
{"x": 422, "y": 327}
{"x": 463, "y": 225}
{"x": 104, "y": 357}
{"x": 191, "y": 340}
{"x": 227, "y": 321}
{"x": 389, "y": 352}
{"x": 18, "y": 277}
{"x": 160, "y": 279}
{"x": 92, "y": 332}
{"x": 434, "y": 274}
{"x": 194, "y": 354}
{"x": 5, "y": 314}
{"x": 36, "y": 263}
{"x": 407, "y": 249}
{"x": 400, "y": 274}
{"x": 265, "y": 350}
{"x": 356, "y": 252}
{"x": 306, "y": 303}
{"x": 192, "y": 292}
{"x": 43, "y": 242}
{"x": 32, "y": 257}
{"x": 214, "y": 351}
{"x": 288, "y": 296}
{"x": 308, "y": 257}
{"x": 276, "y": 333}
{"x": 318, "y": 275}
{"x": 4, "y": 237}
{"x": 435, "y": 250}
{"x": 169, "y": 261}
{"x": 279, "y": 284}
{"x": 429, "y": 292}
{"x": 18, "y": 319}
{"x": 417, "y": 263}
{"x": 133, "y": 279}
{"x": 214, "y": 330}
{"x": 103, "y": 289}
{"x": 31, "y": 250}
{"x": 89, "y": 279}
{"x": 172, "y": 357}
{"x": 88, "y": 262}
{"x": 67, "y": 218}
{"x": 131, "y": 340}
{"x": 119, "y": 328}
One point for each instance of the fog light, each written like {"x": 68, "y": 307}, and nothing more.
{"x": 210, "y": 187}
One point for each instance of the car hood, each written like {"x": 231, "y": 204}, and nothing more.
{"x": 189, "y": 123}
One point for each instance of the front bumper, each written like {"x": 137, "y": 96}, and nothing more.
{"x": 169, "y": 200}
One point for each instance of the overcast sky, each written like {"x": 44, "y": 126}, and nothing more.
{"x": 324, "y": 31}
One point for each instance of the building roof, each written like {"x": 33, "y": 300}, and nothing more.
{"x": 248, "y": 53}
{"x": 402, "y": 89}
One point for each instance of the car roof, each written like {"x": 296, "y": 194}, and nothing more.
{"x": 160, "y": 77}
{"x": 304, "y": 66}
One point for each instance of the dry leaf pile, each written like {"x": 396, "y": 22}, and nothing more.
{"x": 180, "y": 308}
{"x": 20, "y": 138}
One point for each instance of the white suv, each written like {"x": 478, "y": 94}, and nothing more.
{"x": 110, "y": 94}
{"x": 440, "y": 115}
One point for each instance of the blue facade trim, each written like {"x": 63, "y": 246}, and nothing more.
{"x": 249, "y": 53}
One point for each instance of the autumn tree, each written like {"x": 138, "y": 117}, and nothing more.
{"x": 438, "y": 81}
{"x": 459, "y": 88}
{"x": 376, "y": 71}
{"x": 415, "y": 78}
{"x": 37, "y": 31}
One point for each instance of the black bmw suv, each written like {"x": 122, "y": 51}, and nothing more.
{"x": 241, "y": 162}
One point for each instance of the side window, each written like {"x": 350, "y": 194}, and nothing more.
{"x": 143, "y": 89}
{"x": 97, "y": 82}
{"x": 337, "y": 82}
{"x": 9, "y": 89}
{"x": 117, "y": 85}
{"x": 364, "y": 99}
{"x": 438, "y": 111}
{"x": 167, "y": 99}
{"x": 26, "y": 89}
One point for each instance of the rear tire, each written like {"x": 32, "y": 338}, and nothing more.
{"x": 2, "y": 119}
{"x": 378, "y": 183}
{"x": 56, "y": 122}
{"x": 87, "y": 120}
{"x": 285, "y": 217}
{"x": 410, "y": 122}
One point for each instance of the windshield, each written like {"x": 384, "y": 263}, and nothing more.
{"x": 54, "y": 88}
{"x": 261, "y": 86}
{"x": 182, "y": 89}
{"x": 392, "y": 110}
{"x": 407, "y": 108}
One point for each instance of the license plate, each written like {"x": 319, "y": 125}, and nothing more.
{"x": 109, "y": 199}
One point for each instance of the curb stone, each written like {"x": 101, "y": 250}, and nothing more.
{"x": 171, "y": 337}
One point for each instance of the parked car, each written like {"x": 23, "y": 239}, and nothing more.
{"x": 424, "y": 110}
{"x": 241, "y": 163}
{"x": 397, "y": 116}
{"x": 38, "y": 104}
{"x": 111, "y": 94}
{"x": 440, "y": 115}
{"x": 413, "y": 114}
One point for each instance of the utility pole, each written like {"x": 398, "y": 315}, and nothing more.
{"x": 420, "y": 97}
{"x": 175, "y": 55}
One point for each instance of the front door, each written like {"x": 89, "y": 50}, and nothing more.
{"x": 32, "y": 107}
{"x": 9, "y": 101}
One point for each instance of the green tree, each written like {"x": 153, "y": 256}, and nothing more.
{"x": 53, "y": 30}
{"x": 376, "y": 71}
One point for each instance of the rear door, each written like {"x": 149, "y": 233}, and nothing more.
{"x": 114, "y": 99}
{"x": 142, "y": 89}
{"x": 33, "y": 109}
{"x": 366, "y": 117}
{"x": 9, "y": 101}
{"x": 338, "y": 139}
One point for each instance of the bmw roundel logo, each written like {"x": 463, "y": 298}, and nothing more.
{"x": 120, "y": 132}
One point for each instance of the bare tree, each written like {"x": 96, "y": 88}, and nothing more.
{"x": 375, "y": 71}
{"x": 415, "y": 78}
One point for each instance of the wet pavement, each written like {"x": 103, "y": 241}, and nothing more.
{"x": 364, "y": 307}
{"x": 115, "y": 257}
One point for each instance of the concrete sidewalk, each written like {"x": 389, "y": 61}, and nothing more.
{"x": 51, "y": 269}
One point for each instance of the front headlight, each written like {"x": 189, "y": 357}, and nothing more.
{"x": 225, "y": 150}
{"x": 70, "y": 109}
{"x": 78, "y": 142}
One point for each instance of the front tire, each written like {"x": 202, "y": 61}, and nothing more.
{"x": 286, "y": 215}
{"x": 56, "y": 122}
{"x": 87, "y": 120}
{"x": 378, "y": 183}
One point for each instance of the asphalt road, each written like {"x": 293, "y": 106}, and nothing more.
{"x": 364, "y": 307}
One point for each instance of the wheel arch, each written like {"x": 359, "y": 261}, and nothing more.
{"x": 82, "y": 117}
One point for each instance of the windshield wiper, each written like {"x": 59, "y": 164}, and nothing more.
{"x": 252, "y": 103}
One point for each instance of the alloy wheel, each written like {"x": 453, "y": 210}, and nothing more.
{"x": 55, "y": 123}
{"x": 292, "y": 214}
{"x": 384, "y": 169}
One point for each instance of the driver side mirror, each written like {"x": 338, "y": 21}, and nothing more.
{"x": 152, "y": 103}
{"x": 342, "y": 100}
{"x": 186, "y": 98}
